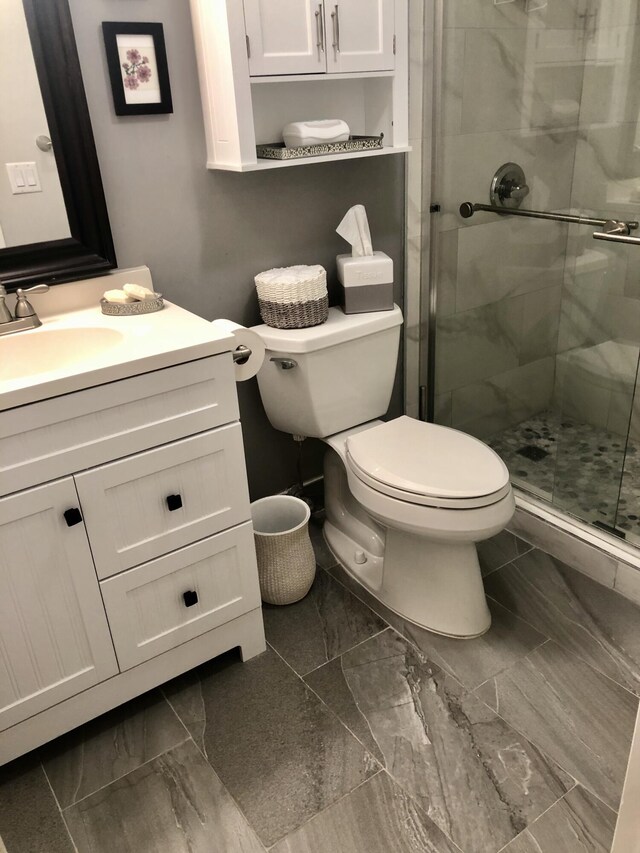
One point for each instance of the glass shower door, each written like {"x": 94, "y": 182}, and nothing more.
{"x": 596, "y": 475}
{"x": 537, "y": 325}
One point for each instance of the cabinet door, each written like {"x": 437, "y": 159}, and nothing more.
{"x": 54, "y": 638}
{"x": 360, "y": 35}
{"x": 285, "y": 36}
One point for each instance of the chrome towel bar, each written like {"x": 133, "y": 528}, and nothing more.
{"x": 467, "y": 209}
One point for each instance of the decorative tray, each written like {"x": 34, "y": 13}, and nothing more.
{"x": 279, "y": 151}
{"x": 129, "y": 309}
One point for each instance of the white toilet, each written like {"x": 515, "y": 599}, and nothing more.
{"x": 405, "y": 500}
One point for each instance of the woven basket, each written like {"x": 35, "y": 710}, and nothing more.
{"x": 293, "y": 297}
{"x": 286, "y": 562}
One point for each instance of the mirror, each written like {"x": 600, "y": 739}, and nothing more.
{"x": 61, "y": 232}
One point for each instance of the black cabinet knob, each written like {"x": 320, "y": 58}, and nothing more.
{"x": 190, "y": 598}
{"x": 72, "y": 516}
{"x": 174, "y": 502}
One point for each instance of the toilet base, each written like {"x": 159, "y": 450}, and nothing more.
{"x": 435, "y": 585}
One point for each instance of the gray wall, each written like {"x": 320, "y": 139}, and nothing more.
{"x": 205, "y": 234}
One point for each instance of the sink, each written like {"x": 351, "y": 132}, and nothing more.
{"x": 25, "y": 354}
{"x": 77, "y": 347}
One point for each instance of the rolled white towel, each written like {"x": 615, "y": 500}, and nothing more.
{"x": 299, "y": 133}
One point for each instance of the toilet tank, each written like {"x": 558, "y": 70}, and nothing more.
{"x": 343, "y": 374}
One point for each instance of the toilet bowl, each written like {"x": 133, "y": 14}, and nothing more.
{"x": 406, "y": 525}
{"x": 406, "y": 501}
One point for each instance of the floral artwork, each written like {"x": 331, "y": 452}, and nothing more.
{"x": 138, "y": 64}
{"x": 136, "y": 69}
{"x": 137, "y": 60}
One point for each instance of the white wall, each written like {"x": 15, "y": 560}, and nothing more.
{"x": 35, "y": 216}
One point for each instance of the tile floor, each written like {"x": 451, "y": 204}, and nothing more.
{"x": 359, "y": 733}
{"x": 585, "y": 470}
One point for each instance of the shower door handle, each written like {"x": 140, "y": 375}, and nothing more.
{"x": 615, "y": 232}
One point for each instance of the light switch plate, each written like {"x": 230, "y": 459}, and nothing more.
{"x": 24, "y": 178}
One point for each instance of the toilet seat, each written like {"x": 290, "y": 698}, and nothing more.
{"x": 427, "y": 464}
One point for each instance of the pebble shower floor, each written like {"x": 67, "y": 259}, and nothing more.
{"x": 580, "y": 468}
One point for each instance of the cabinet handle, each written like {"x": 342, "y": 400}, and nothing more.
{"x": 72, "y": 516}
{"x": 174, "y": 502}
{"x": 335, "y": 20}
{"x": 190, "y": 597}
{"x": 319, "y": 31}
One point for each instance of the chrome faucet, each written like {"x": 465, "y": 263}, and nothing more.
{"x": 24, "y": 315}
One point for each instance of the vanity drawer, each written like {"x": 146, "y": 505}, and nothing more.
{"x": 145, "y": 505}
{"x": 47, "y": 440}
{"x": 168, "y": 601}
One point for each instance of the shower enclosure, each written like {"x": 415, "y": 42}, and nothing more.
{"x": 529, "y": 330}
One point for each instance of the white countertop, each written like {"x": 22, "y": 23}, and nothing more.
{"x": 114, "y": 347}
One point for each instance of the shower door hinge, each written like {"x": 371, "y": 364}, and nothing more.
{"x": 434, "y": 208}
{"x": 394, "y": 44}
{"x": 248, "y": 47}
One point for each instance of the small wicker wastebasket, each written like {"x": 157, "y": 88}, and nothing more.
{"x": 286, "y": 562}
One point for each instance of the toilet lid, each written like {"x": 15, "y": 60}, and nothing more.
{"x": 418, "y": 458}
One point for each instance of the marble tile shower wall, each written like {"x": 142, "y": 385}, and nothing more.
{"x": 512, "y": 81}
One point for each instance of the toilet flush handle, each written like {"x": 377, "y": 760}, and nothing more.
{"x": 284, "y": 363}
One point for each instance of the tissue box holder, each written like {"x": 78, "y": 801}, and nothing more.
{"x": 293, "y": 306}
{"x": 366, "y": 283}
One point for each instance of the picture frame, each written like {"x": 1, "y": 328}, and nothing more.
{"x": 138, "y": 68}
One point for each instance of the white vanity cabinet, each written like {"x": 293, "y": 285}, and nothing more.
{"x": 135, "y": 561}
{"x": 306, "y": 36}
{"x": 265, "y": 63}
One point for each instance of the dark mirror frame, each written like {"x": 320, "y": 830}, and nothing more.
{"x": 89, "y": 251}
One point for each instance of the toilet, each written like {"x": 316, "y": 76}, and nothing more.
{"x": 406, "y": 501}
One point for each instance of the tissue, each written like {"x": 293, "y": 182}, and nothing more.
{"x": 354, "y": 228}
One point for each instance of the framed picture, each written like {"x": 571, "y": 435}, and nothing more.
{"x": 137, "y": 60}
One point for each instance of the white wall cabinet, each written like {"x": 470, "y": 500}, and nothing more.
{"x": 144, "y": 543}
{"x": 306, "y": 36}
{"x": 265, "y": 63}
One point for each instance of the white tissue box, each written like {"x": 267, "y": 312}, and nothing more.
{"x": 367, "y": 282}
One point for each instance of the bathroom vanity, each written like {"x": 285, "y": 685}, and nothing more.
{"x": 126, "y": 546}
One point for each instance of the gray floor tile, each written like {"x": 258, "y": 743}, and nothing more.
{"x": 576, "y": 715}
{"x": 327, "y": 622}
{"x": 473, "y": 661}
{"x": 95, "y": 754}
{"x": 474, "y": 776}
{"x": 470, "y": 661}
{"x": 173, "y": 804}
{"x": 30, "y": 820}
{"x": 278, "y": 750}
{"x": 579, "y": 823}
{"x": 329, "y": 683}
{"x": 596, "y": 623}
{"x": 499, "y": 550}
{"x": 378, "y": 817}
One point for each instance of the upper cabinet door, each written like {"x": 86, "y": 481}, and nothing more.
{"x": 359, "y": 35}
{"x": 285, "y": 37}
{"x": 54, "y": 637}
